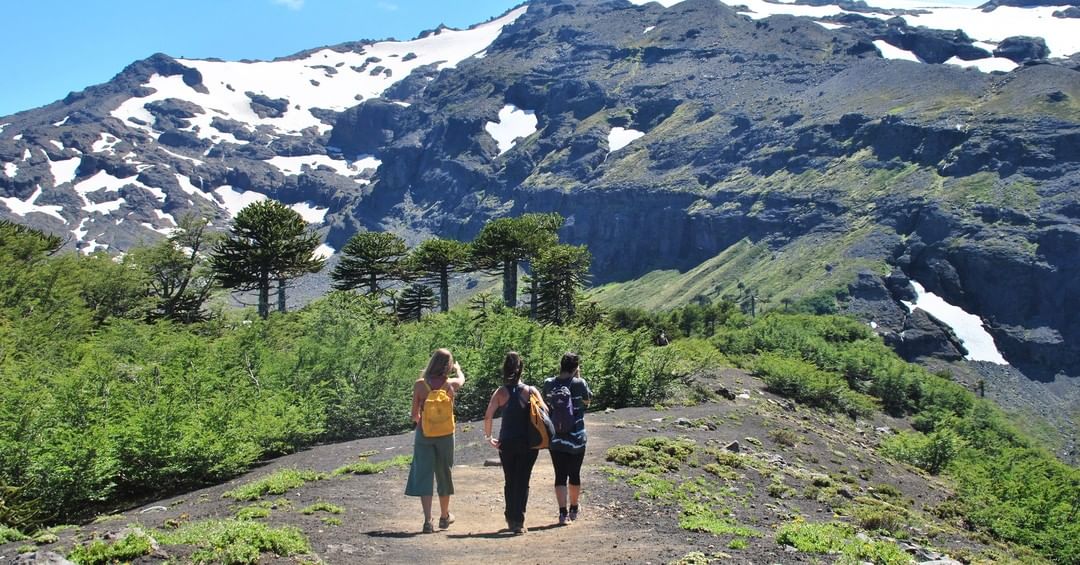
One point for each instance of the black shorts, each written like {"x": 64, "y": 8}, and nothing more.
{"x": 567, "y": 467}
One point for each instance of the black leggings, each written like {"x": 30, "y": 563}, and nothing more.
{"x": 567, "y": 466}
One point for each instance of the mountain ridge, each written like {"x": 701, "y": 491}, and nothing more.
{"x": 782, "y": 130}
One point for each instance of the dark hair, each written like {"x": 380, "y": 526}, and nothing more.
{"x": 569, "y": 363}
{"x": 512, "y": 366}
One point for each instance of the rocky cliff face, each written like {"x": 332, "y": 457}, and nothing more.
{"x": 668, "y": 136}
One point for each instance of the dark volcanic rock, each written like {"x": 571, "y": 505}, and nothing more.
{"x": 925, "y": 336}
{"x": 1020, "y": 49}
{"x": 366, "y": 128}
{"x": 266, "y": 107}
{"x": 1070, "y": 12}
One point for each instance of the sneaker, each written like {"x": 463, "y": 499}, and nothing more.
{"x": 521, "y": 529}
{"x": 572, "y": 516}
{"x": 428, "y": 528}
{"x": 445, "y": 521}
{"x": 563, "y": 519}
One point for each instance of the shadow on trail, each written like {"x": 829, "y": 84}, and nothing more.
{"x": 393, "y": 535}
{"x": 503, "y": 533}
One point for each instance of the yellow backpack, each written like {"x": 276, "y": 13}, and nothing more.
{"x": 437, "y": 418}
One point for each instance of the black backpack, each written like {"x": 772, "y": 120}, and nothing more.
{"x": 561, "y": 405}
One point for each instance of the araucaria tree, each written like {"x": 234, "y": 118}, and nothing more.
{"x": 435, "y": 260}
{"x": 368, "y": 260}
{"x": 505, "y": 242}
{"x": 413, "y": 301}
{"x": 178, "y": 272}
{"x": 559, "y": 272}
{"x": 267, "y": 242}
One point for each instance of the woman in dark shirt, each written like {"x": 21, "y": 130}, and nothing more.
{"x": 513, "y": 443}
{"x": 568, "y": 449}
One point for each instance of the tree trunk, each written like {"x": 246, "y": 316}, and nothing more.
{"x": 444, "y": 290}
{"x": 281, "y": 295}
{"x": 264, "y": 295}
{"x": 510, "y": 282}
{"x": 373, "y": 284}
{"x": 534, "y": 291}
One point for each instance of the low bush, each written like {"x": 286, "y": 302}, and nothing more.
{"x": 278, "y": 482}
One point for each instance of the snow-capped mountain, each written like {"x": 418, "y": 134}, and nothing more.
{"x": 803, "y": 142}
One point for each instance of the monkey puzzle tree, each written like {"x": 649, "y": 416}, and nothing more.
{"x": 368, "y": 259}
{"x": 559, "y": 272}
{"x": 178, "y": 272}
{"x": 504, "y": 242}
{"x": 267, "y": 242}
{"x": 435, "y": 260}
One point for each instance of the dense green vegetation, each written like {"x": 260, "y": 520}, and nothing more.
{"x": 102, "y": 397}
{"x": 1006, "y": 485}
{"x": 97, "y": 404}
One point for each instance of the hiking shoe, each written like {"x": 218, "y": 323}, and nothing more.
{"x": 428, "y": 528}
{"x": 563, "y": 519}
{"x": 445, "y": 521}
{"x": 572, "y": 516}
{"x": 521, "y": 530}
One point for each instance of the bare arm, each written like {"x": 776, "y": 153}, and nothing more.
{"x": 458, "y": 380}
{"x": 496, "y": 401}
{"x": 416, "y": 391}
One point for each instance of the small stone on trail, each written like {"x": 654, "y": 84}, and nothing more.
{"x": 732, "y": 447}
{"x": 609, "y": 410}
{"x": 744, "y": 396}
{"x": 153, "y": 509}
{"x": 493, "y": 462}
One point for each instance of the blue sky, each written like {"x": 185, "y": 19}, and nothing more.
{"x": 52, "y": 47}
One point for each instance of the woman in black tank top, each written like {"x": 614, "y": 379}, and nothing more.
{"x": 513, "y": 443}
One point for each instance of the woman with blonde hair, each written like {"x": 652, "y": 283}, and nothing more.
{"x": 515, "y": 454}
{"x": 433, "y": 444}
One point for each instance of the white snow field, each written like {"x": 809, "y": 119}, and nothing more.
{"x": 1062, "y": 35}
{"x": 621, "y": 137}
{"x": 322, "y": 79}
{"x": 24, "y": 207}
{"x": 514, "y": 123}
{"x": 968, "y": 327}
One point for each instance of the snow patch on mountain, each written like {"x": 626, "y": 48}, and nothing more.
{"x": 11, "y": 169}
{"x": 891, "y": 52}
{"x": 829, "y": 25}
{"x": 514, "y": 123}
{"x": 233, "y": 200}
{"x": 648, "y": 29}
{"x": 104, "y": 143}
{"x": 57, "y": 144}
{"x": 621, "y": 137}
{"x": 24, "y": 207}
{"x": 987, "y": 65}
{"x": 967, "y": 327}
{"x": 62, "y": 171}
{"x": 324, "y": 251}
{"x": 311, "y": 213}
{"x": 295, "y": 165}
{"x": 189, "y": 188}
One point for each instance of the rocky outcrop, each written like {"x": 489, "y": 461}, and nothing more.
{"x": 1021, "y": 49}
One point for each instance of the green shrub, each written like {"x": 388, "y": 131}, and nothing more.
{"x": 8, "y": 535}
{"x": 236, "y": 542}
{"x": 837, "y": 537}
{"x": 322, "y": 507}
{"x": 253, "y": 512}
{"x": 278, "y": 482}
{"x": 365, "y": 467}
{"x": 98, "y": 552}
{"x": 656, "y": 454}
